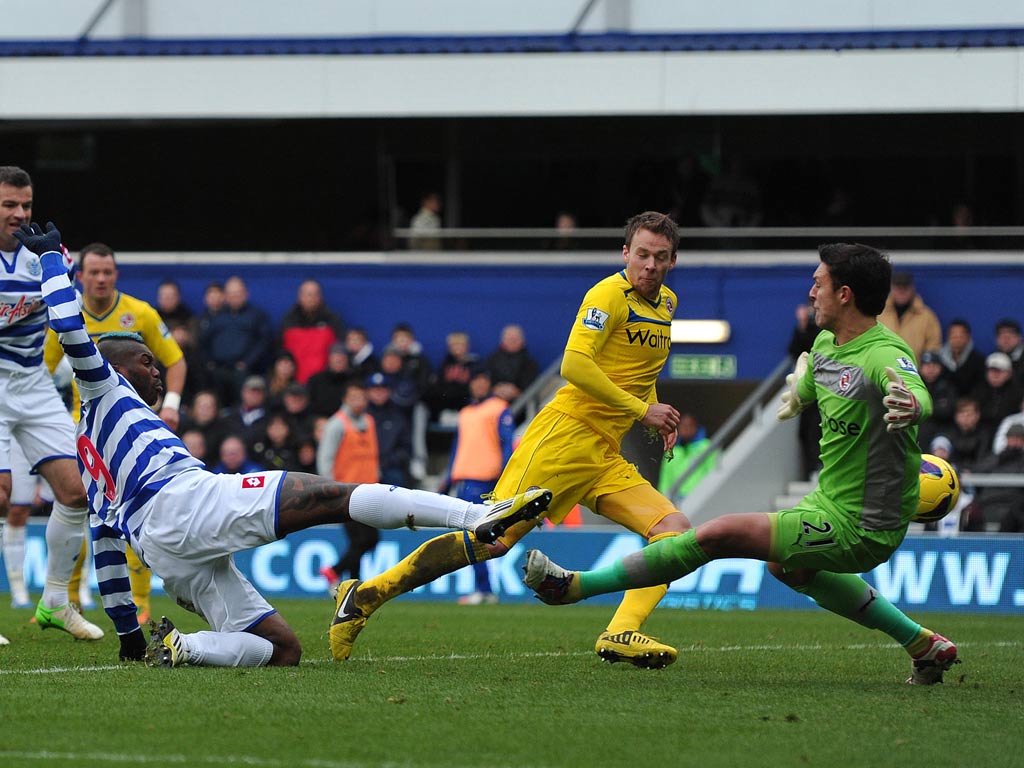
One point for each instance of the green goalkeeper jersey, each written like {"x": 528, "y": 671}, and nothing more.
{"x": 868, "y": 473}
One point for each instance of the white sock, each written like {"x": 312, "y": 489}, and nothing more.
{"x": 14, "y": 560}
{"x": 227, "y": 649}
{"x": 388, "y": 506}
{"x": 64, "y": 532}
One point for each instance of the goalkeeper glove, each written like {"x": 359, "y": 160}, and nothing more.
{"x": 902, "y": 408}
{"x": 791, "y": 402}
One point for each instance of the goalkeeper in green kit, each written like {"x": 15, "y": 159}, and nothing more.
{"x": 871, "y": 398}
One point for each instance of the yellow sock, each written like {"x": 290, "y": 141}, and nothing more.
{"x": 441, "y": 555}
{"x": 76, "y": 574}
{"x": 920, "y": 644}
{"x": 638, "y": 604}
{"x": 141, "y": 579}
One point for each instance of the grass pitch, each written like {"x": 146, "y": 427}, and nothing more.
{"x": 459, "y": 687}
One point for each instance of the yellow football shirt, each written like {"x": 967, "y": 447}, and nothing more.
{"x": 629, "y": 338}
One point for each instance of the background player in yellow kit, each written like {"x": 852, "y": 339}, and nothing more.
{"x": 107, "y": 310}
{"x": 617, "y": 346}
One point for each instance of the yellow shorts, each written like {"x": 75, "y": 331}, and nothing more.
{"x": 578, "y": 465}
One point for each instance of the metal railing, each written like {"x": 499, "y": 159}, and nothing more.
{"x": 991, "y": 480}
{"x": 534, "y": 396}
{"x": 938, "y": 237}
{"x": 738, "y": 421}
{"x": 694, "y": 233}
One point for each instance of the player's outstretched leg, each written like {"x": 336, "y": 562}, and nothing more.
{"x": 355, "y": 600}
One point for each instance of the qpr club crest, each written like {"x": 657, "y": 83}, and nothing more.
{"x": 845, "y": 379}
{"x": 126, "y": 321}
{"x": 35, "y": 269}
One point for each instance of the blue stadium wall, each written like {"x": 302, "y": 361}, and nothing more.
{"x": 971, "y": 574}
{"x": 759, "y": 302}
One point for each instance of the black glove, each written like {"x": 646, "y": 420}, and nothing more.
{"x": 133, "y": 645}
{"x": 33, "y": 238}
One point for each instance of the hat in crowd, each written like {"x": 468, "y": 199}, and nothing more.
{"x": 902, "y": 279}
{"x": 931, "y": 356}
{"x": 480, "y": 369}
{"x": 295, "y": 388}
{"x": 254, "y": 382}
{"x": 1000, "y": 361}
{"x": 1008, "y": 322}
{"x": 377, "y": 380}
{"x": 1015, "y": 430}
{"x": 941, "y": 443}
{"x": 337, "y": 347}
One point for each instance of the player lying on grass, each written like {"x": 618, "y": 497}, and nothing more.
{"x": 871, "y": 398}
{"x": 186, "y": 523}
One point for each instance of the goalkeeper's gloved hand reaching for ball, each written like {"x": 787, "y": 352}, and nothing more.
{"x": 902, "y": 407}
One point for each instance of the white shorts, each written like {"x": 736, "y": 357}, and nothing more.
{"x": 198, "y": 521}
{"x": 32, "y": 413}
{"x": 25, "y": 485}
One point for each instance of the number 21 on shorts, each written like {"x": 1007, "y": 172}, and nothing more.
{"x": 813, "y": 536}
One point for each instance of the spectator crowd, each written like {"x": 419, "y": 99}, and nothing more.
{"x": 255, "y": 399}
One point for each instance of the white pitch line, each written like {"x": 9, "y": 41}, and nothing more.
{"x": 799, "y": 648}
{"x": 59, "y": 670}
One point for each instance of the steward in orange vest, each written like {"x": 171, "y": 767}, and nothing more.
{"x": 483, "y": 444}
{"x": 348, "y": 447}
{"x": 348, "y": 453}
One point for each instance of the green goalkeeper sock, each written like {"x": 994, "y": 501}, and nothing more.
{"x": 848, "y": 595}
{"x": 659, "y": 563}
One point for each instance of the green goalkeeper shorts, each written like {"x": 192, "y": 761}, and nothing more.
{"x": 810, "y": 536}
